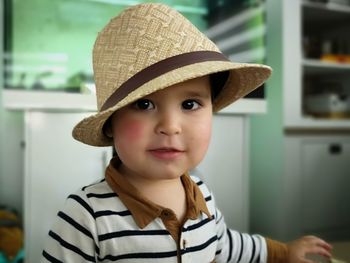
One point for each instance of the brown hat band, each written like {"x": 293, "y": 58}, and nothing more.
{"x": 159, "y": 69}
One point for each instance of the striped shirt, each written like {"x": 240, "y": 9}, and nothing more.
{"x": 96, "y": 226}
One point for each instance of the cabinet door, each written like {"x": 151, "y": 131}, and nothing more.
{"x": 225, "y": 169}
{"x": 325, "y": 187}
{"x": 55, "y": 166}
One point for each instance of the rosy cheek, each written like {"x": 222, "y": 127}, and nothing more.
{"x": 205, "y": 132}
{"x": 132, "y": 130}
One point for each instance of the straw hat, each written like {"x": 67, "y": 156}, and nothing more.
{"x": 149, "y": 47}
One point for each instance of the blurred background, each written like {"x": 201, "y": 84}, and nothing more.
{"x": 283, "y": 150}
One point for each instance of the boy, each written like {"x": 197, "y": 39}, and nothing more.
{"x": 158, "y": 80}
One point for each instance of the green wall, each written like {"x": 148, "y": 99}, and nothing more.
{"x": 266, "y": 138}
{"x": 57, "y": 36}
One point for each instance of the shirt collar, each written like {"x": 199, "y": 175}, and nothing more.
{"x": 145, "y": 211}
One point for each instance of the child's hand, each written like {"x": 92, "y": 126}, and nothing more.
{"x": 298, "y": 249}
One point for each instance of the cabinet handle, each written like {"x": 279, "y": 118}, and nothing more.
{"x": 335, "y": 148}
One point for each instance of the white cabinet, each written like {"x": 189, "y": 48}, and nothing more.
{"x": 325, "y": 185}
{"x": 55, "y": 166}
{"x": 317, "y": 185}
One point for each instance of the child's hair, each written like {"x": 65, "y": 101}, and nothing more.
{"x": 217, "y": 82}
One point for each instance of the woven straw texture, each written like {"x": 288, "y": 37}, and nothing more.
{"x": 141, "y": 36}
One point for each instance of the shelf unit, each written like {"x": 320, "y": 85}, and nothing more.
{"x": 298, "y": 164}
{"x": 314, "y": 66}
{"x": 327, "y": 21}
{"x": 326, "y": 8}
{"x": 315, "y": 149}
{"x": 297, "y": 184}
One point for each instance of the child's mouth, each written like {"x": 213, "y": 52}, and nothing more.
{"x": 166, "y": 153}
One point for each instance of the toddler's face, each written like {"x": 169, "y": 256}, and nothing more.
{"x": 163, "y": 135}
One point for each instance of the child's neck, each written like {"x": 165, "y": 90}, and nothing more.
{"x": 169, "y": 193}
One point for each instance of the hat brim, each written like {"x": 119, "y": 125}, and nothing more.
{"x": 243, "y": 78}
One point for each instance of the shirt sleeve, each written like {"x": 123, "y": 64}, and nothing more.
{"x": 234, "y": 246}
{"x": 73, "y": 237}
{"x": 277, "y": 251}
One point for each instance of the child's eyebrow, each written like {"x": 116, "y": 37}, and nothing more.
{"x": 195, "y": 94}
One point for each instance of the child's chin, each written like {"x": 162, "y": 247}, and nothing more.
{"x": 170, "y": 174}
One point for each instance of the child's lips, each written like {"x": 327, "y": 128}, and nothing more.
{"x": 166, "y": 153}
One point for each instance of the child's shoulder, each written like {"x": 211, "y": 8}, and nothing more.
{"x": 200, "y": 183}
{"x": 93, "y": 200}
{"x": 196, "y": 179}
{"x": 86, "y": 195}
{"x": 207, "y": 194}
{"x": 99, "y": 190}
{"x": 96, "y": 188}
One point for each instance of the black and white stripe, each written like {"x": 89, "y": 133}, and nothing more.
{"x": 95, "y": 226}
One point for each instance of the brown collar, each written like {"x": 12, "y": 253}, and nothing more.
{"x": 145, "y": 211}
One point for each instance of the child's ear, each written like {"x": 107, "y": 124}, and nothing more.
{"x": 107, "y": 128}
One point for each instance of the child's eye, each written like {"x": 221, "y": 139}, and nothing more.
{"x": 190, "y": 105}
{"x": 144, "y": 104}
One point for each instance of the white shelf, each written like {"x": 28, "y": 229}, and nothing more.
{"x": 47, "y": 100}
{"x": 61, "y": 101}
{"x": 310, "y": 123}
{"x": 323, "y": 17}
{"x": 318, "y": 66}
{"x": 314, "y": 66}
{"x": 246, "y": 106}
{"x": 339, "y": 8}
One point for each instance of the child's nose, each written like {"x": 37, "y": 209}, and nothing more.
{"x": 169, "y": 123}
